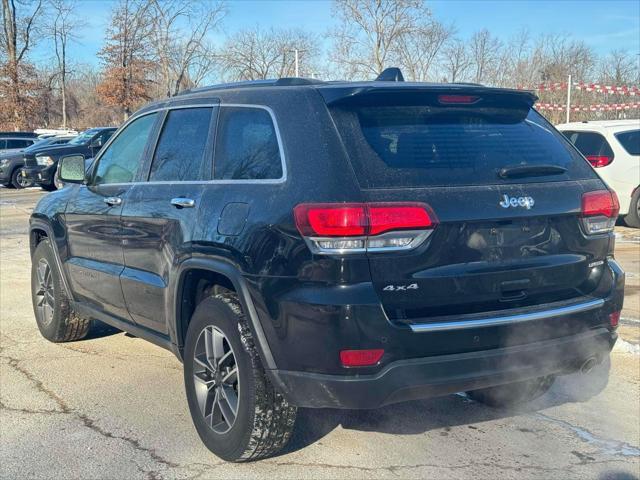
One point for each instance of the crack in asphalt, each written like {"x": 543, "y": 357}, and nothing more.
{"x": 606, "y": 446}
{"x": 85, "y": 419}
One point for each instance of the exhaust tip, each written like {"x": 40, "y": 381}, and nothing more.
{"x": 589, "y": 364}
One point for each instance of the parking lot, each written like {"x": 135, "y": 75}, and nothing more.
{"x": 113, "y": 406}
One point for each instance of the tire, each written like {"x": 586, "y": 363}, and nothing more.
{"x": 8, "y": 185}
{"x": 48, "y": 187}
{"x": 513, "y": 394}
{"x": 264, "y": 420}
{"x": 16, "y": 181}
{"x": 632, "y": 219}
{"x": 54, "y": 317}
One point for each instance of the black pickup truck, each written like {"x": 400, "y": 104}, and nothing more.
{"x": 41, "y": 167}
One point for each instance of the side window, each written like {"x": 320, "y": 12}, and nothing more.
{"x": 106, "y": 135}
{"x": 121, "y": 160}
{"x": 3, "y": 144}
{"x": 591, "y": 144}
{"x": 180, "y": 152}
{"x": 17, "y": 143}
{"x": 630, "y": 141}
{"x": 246, "y": 145}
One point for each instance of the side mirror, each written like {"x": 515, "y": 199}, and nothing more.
{"x": 71, "y": 169}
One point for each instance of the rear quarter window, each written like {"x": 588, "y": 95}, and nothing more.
{"x": 590, "y": 144}
{"x": 416, "y": 146}
{"x": 630, "y": 141}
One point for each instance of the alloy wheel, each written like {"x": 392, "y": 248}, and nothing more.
{"x": 216, "y": 379}
{"x": 45, "y": 295}
{"x": 23, "y": 181}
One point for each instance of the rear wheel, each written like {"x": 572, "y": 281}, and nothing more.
{"x": 56, "y": 321}
{"x": 237, "y": 413}
{"x": 633, "y": 217}
{"x": 513, "y": 394}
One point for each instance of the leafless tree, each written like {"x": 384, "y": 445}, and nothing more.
{"x": 19, "y": 22}
{"x": 62, "y": 31}
{"x": 418, "y": 50}
{"x": 485, "y": 53}
{"x": 254, "y": 54}
{"x": 456, "y": 62}
{"x": 180, "y": 30}
{"x": 370, "y": 32}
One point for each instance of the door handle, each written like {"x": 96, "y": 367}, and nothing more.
{"x": 112, "y": 201}
{"x": 182, "y": 202}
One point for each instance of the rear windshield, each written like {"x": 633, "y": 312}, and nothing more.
{"x": 416, "y": 146}
{"x": 630, "y": 141}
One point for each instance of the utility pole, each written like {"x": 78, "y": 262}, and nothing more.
{"x": 297, "y": 62}
{"x": 568, "y": 99}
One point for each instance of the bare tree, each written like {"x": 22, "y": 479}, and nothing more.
{"x": 180, "y": 30}
{"x": 255, "y": 54}
{"x": 485, "y": 53}
{"x": 456, "y": 61}
{"x": 127, "y": 56}
{"x": 419, "y": 50}
{"x": 370, "y": 33}
{"x": 19, "y": 22}
{"x": 62, "y": 32}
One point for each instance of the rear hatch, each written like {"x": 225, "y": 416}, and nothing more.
{"x": 506, "y": 189}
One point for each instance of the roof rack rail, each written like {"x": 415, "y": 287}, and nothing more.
{"x": 222, "y": 86}
{"x": 391, "y": 74}
{"x": 294, "y": 81}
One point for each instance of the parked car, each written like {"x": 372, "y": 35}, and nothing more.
{"x": 613, "y": 149}
{"x": 12, "y": 161}
{"x": 16, "y": 140}
{"x": 298, "y": 243}
{"x": 42, "y": 167}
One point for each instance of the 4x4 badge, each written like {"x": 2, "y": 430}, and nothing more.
{"x": 508, "y": 201}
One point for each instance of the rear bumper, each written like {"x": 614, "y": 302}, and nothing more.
{"x": 445, "y": 374}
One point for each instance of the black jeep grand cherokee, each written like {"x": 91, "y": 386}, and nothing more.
{"x": 345, "y": 245}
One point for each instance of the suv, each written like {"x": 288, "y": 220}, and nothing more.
{"x": 41, "y": 166}
{"x": 16, "y": 140}
{"x": 12, "y": 161}
{"x": 299, "y": 243}
{"x": 613, "y": 148}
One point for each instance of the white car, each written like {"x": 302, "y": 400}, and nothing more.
{"x": 613, "y": 149}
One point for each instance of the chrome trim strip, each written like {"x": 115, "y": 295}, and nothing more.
{"x": 496, "y": 321}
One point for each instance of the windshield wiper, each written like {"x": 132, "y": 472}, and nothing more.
{"x": 517, "y": 171}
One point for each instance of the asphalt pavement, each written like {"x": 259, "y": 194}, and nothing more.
{"x": 113, "y": 407}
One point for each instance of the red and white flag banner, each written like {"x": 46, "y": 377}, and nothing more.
{"x": 599, "y": 107}
{"x": 631, "y": 90}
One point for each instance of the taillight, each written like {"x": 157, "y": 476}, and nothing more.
{"x": 359, "y": 227}
{"x": 599, "y": 211}
{"x": 360, "y": 358}
{"x": 457, "y": 99}
{"x": 598, "y": 161}
{"x": 614, "y": 319}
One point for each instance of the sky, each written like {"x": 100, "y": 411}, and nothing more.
{"x": 603, "y": 24}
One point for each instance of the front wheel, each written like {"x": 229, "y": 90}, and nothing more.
{"x": 20, "y": 181}
{"x": 513, "y": 394}
{"x": 56, "y": 321}
{"x": 237, "y": 413}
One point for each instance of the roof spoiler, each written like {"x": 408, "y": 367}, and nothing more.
{"x": 391, "y": 74}
{"x": 425, "y": 94}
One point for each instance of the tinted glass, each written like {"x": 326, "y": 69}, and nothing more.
{"x": 83, "y": 138}
{"x": 121, "y": 160}
{"x": 590, "y": 143}
{"x": 630, "y": 141}
{"x": 414, "y": 146}
{"x": 246, "y": 145}
{"x": 17, "y": 143}
{"x": 180, "y": 152}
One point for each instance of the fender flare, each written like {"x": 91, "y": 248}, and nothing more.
{"x": 232, "y": 272}
{"x": 40, "y": 224}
